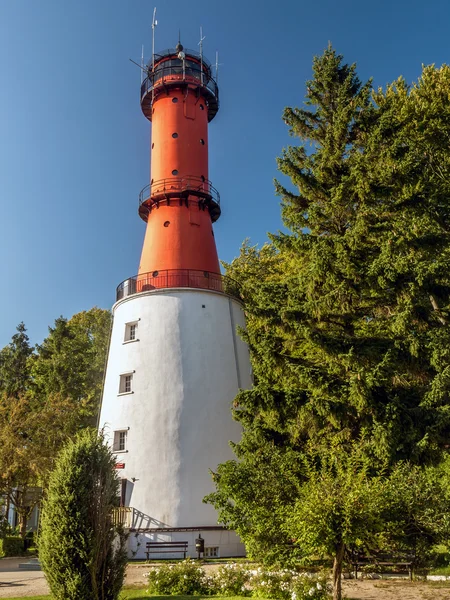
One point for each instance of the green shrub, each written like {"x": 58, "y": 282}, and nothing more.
{"x": 11, "y": 546}
{"x": 81, "y": 551}
{"x": 182, "y": 579}
{"x": 231, "y": 580}
{"x": 440, "y": 556}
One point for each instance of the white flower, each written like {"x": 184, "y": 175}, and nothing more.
{"x": 319, "y": 587}
{"x": 293, "y": 596}
{"x": 312, "y": 591}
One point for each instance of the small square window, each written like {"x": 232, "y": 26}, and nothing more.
{"x": 120, "y": 441}
{"x": 211, "y": 552}
{"x": 131, "y": 332}
{"x": 126, "y": 381}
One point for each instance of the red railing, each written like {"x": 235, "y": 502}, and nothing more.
{"x": 177, "y": 278}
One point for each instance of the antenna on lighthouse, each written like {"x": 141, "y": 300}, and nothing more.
{"x": 142, "y": 64}
{"x": 202, "y": 37}
{"x": 217, "y": 66}
{"x": 154, "y": 24}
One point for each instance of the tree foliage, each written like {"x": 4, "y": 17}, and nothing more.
{"x": 20, "y": 455}
{"x": 347, "y": 311}
{"x": 71, "y": 361}
{"x": 81, "y": 551}
{"x": 14, "y": 360}
{"x": 46, "y": 396}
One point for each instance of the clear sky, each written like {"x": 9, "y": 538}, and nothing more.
{"x": 74, "y": 145}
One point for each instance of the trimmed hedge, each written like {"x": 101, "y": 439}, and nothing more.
{"x": 11, "y": 546}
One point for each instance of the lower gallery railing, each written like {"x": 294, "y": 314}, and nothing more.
{"x": 174, "y": 278}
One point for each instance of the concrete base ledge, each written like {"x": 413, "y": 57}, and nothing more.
{"x": 30, "y": 565}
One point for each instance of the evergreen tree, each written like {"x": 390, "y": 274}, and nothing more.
{"x": 347, "y": 312}
{"x": 71, "y": 361}
{"x": 14, "y": 363}
{"x": 81, "y": 551}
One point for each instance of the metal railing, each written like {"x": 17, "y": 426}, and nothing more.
{"x": 189, "y": 54}
{"x": 179, "y": 187}
{"x": 177, "y": 278}
{"x": 174, "y": 74}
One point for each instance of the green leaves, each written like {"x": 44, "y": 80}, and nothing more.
{"x": 340, "y": 502}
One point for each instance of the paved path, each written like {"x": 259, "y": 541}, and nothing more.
{"x": 15, "y": 582}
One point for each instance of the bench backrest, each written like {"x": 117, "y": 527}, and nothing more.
{"x": 167, "y": 544}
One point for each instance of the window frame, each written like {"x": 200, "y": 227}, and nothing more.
{"x": 131, "y": 328}
{"x": 118, "y": 436}
{"x": 124, "y": 380}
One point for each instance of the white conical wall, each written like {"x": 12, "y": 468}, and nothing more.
{"x": 169, "y": 391}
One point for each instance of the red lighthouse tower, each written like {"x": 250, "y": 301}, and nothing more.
{"x": 175, "y": 360}
{"x": 180, "y": 97}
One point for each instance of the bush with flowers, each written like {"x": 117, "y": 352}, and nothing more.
{"x": 231, "y": 580}
{"x": 289, "y": 585}
{"x": 188, "y": 578}
{"x": 272, "y": 584}
{"x": 306, "y": 586}
{"x": 182, "y": 579}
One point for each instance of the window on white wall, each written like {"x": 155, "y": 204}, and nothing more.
{"x": 211, "y": 552}
{"x": 126, "y": 383}
{"x": 131, "y": 332}
{"x": 120, "y": 441}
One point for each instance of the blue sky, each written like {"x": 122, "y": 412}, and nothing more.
{"x": 74, "y": 146}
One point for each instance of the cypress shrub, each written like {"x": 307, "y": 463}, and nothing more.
{"x": 81, "y": 551}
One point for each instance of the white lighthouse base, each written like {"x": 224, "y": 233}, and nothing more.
{"x": 175, "y": 364}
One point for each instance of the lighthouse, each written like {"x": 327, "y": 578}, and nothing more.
{"x": 175, "y": 361}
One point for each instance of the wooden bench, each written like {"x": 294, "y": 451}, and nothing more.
{"x": 166, "y": 547}
{"x": 405, "y": 561}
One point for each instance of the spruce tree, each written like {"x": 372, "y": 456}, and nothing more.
{"x": 349, "y": 329}
{"x": 71, "y": 361}
{"x": 347, "y": 312}
{"x": 15, "y": 376}
{"x": 81, "y": 551}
